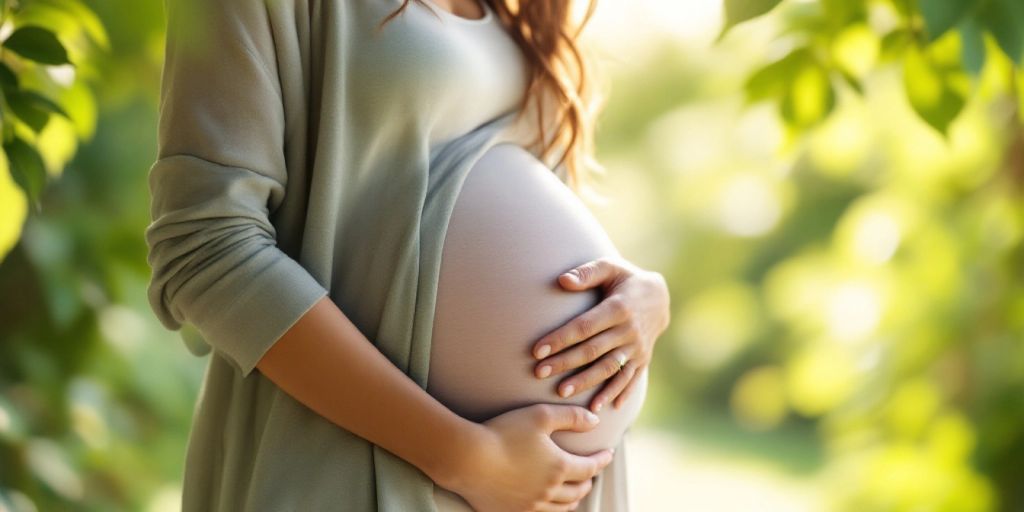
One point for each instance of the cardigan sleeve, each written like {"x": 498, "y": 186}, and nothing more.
{"x": 219, "y": 175}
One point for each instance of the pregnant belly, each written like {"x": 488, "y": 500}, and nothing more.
{"x": 514, "y": 228}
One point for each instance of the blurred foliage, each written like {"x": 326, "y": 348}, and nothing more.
{"x": 47, "y": 105}
{"x": 95, "y": 402}
{"x": 941, "y": 46}
{"x": 908, "y": 286}
{"x": 832, "y": 189}
{"x": 842, "y": 180}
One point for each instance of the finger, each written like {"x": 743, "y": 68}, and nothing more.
{"x": 570, "y": 492}
{"x": 609, "y": 312}
{"x": 550, "y": 506}
{"x": 601, "y": 370}
{"x": 615, "y": 387}
{"x": 552, "y": 417}
{"x": 582, "y": 353}
{"x": 624, "y": 395}
{"x": 589, "y": 274}
{"x": 582, "y": 467}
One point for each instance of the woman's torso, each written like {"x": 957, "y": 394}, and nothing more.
{"x": 514, "y": 228}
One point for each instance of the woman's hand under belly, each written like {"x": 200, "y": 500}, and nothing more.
{"x": 515, "y": 227}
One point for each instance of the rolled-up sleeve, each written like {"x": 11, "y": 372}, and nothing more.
{"x": 219, "y": 175}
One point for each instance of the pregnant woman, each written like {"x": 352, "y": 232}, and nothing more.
{"x": 351, "y": 209}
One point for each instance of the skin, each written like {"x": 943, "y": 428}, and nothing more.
{"x": 508, "y": 463}
{"x": 627, "y": 322}
{"x": 465, "y": 8}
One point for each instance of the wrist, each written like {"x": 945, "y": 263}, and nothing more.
{"x": 454, "y": 458}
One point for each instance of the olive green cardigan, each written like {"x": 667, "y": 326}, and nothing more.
{"x": 293, "y": 163}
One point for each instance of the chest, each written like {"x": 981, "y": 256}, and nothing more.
{"x": 444, "y": 74}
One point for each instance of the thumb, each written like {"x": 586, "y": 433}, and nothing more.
{"x": 569, "y": 417}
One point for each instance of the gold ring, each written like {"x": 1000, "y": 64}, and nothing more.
{"x": 621, "y": 359}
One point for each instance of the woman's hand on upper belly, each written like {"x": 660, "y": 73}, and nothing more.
{"x": 623, "y": 327}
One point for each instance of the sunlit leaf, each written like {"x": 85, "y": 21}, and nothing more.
{"x": 855, "y": 49}
{"x": 903, "y": 7}
{"x": 803, "y": 18}
{"x": 942, "y": 15}
{"x": 80, "y": 104}
{"x": 38, "y": 44}
{"x": 844, "y": 12}
{"x": 82, "y": 15}
{"x": 929, "y": 90}
{"x": 771, "y": 81}
{"x": 57, "y": 144}
{"x": 738, "y": 11}
{"x": 810, "y": 96}
{"x": 893, "y": 45}
{"x": 13, "y": 209}
{"x": 27, "y": 168}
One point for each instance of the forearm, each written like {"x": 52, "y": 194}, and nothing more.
{"x": 326, "y": 363}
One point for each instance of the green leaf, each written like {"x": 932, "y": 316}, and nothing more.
{"x": 1005, "y": 20}
{"x": 841, "y": 13}
{"x": 772, "y": 80}
{"x": 803, "y": 18}
{"x": 28, "y": 110}
{"x": 33, "y": 108}
{"x": 942, "y": 15}
{"x": 38, "y": 44}
{"x": 903, "y": 7}
{"x": 738, "y": 11}
{"x": 43, "y": 102}
{"x": 931, "y": 90}
{"x": 810, "y": 96}
{"x": 8, "y": 80}
{"x": 82, "y": 15}
{"x": 972, "y": 46}
{"x": 27, "y": 168}
{"x": 894, "y": 45}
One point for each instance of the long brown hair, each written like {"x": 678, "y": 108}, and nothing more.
{"x": 560, "y": 66}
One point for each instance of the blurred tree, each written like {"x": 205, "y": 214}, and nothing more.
{"x": 919, "y": 281}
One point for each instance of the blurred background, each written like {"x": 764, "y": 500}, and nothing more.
{"x": 832, "y": 189}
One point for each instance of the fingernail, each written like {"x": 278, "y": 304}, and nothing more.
{"x": 545, "y": 371}
{"x": 597, "y": 407}
{"x": 543, "y": 351}
{"x": 567, "y": 390}
{"x": 592, "y": 418}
